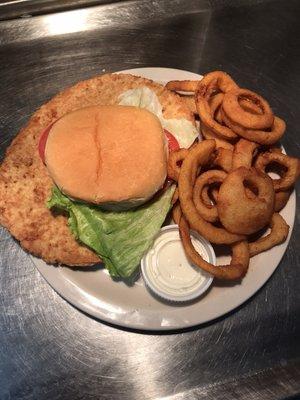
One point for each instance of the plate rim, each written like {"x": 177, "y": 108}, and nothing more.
{"x": 78, "y": 298}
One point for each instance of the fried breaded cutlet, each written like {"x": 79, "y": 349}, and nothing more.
{"x": 25, "y": 184}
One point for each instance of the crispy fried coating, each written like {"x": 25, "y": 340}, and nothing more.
{"x": 25, "y": 184}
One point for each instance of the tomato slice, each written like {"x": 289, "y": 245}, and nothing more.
{"x": 172, "y": 141}
{"x": 43, "y": 141}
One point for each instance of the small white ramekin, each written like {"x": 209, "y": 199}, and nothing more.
{"x": 169, "y": 274}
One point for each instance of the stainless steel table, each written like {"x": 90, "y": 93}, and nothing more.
{"x": 50, "y": 350}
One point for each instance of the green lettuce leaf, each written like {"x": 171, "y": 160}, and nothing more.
{"x": 120, "y": 238}
{"x": 183, "y": 130}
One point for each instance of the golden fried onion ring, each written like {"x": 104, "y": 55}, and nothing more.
{"x": 247, "y": 105}
{"x": 209, "y": 195}
{"x": 200, "y": 155}
{"x": 207, "y": 118}
{"x": 278, "y": 234}
{"x": 281, "y": 199}
{"x": 243, "y": 154}
{"x": 266, "y": 137}
{"x": 234, "y": 122}
{"x": 234, "y": 271}
{"x": 182, "y": 86}
{"x": 175, "y": 196}
{"x": 216, "y": 101}
{"x": 209, "y": 134}
{"x": 176, "y": 213}
{"x": 240, "y": 213}
{"x": 215, "y": 82}
{"x": 291, "y": 165}
{"x": 223, "y": 159}
{"x": 238, "y": 115}
{"x": 207, "y": 211}
{"x": 209, "y": 96}
{"x": 175, "y": 157}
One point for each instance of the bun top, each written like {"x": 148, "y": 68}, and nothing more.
{"x": 114, "y": 156}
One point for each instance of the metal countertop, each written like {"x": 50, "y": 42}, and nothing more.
{"x": 49, "y": 349}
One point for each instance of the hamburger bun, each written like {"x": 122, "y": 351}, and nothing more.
{"x": 25, "y": 183}
{"x": 114, "y": 156}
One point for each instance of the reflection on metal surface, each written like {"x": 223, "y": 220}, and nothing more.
{"x": 267, "y": 385}
{"x": 20, "y": 8}
{"x": 104, "y": 18}
{"x": 66, "y": 22}
{"x": 48, "y": 349}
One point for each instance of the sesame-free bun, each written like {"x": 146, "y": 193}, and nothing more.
{"x": 114, "y": 156}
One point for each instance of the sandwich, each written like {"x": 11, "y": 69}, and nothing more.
{"x": 85, "y": 180}
{"x": 113, "y": 156}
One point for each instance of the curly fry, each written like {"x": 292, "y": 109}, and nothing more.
{"x": 243, "y": 154}
{"x": 289, "y": 176}
{"x": 173, "y": 168}
{"x": 234, "y": 271}
{"x": 278, "y": 234}
{"x": 208, "y": 212}
{"x": 198, "y": 156}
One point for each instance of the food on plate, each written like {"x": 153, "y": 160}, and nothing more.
{"x": 175, "y": 159}
{"x": 242, "y": 108}
{"x": 207, "y": 210}
{"x": 223, "y": 159}
{"x": 243, "y": 154}
{"x": 176, "y": 212}
{"x": 238, "y": 266}
{"x": 245, "y": 118}
{"x": 209, "y": 120}
{"x": 209, "y": 194}
{"x": 240, "y": 213}
{"x": 168, "y": 273}
{"x": 225, "y": 191}
{"x": 97, "y": 169}
{"x": 182, "y": 86}
{"x": 175, "y": 196}
{"x": 267, "y": 137}
{"x": 114, "y": 156}
{"x": 281, "y": 199}
{"x": 208, "y": 134}
{"x": 120, "y": 238}
{"x": 289, "y": 168}
{"x": 189, "y": 101}
{"x": 197, "y": 157}
{"x": 215, "y": 82}
{"x": 50, "y": 224}
{"x": 278, "y": 234}
{"x": 209, "y": 95}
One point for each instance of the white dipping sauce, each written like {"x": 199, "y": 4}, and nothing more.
{"x": 168, "y": 272}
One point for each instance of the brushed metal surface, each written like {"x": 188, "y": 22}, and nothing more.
{"x": 50, "y": 350}
{"x": 10, "y": 9}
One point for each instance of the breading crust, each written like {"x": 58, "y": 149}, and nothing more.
{"x": 25, "y": 184}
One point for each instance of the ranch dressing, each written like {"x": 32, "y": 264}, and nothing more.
{"x": 168, "y": 272}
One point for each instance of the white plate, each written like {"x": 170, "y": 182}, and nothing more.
{"x": 133, "y": 306}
